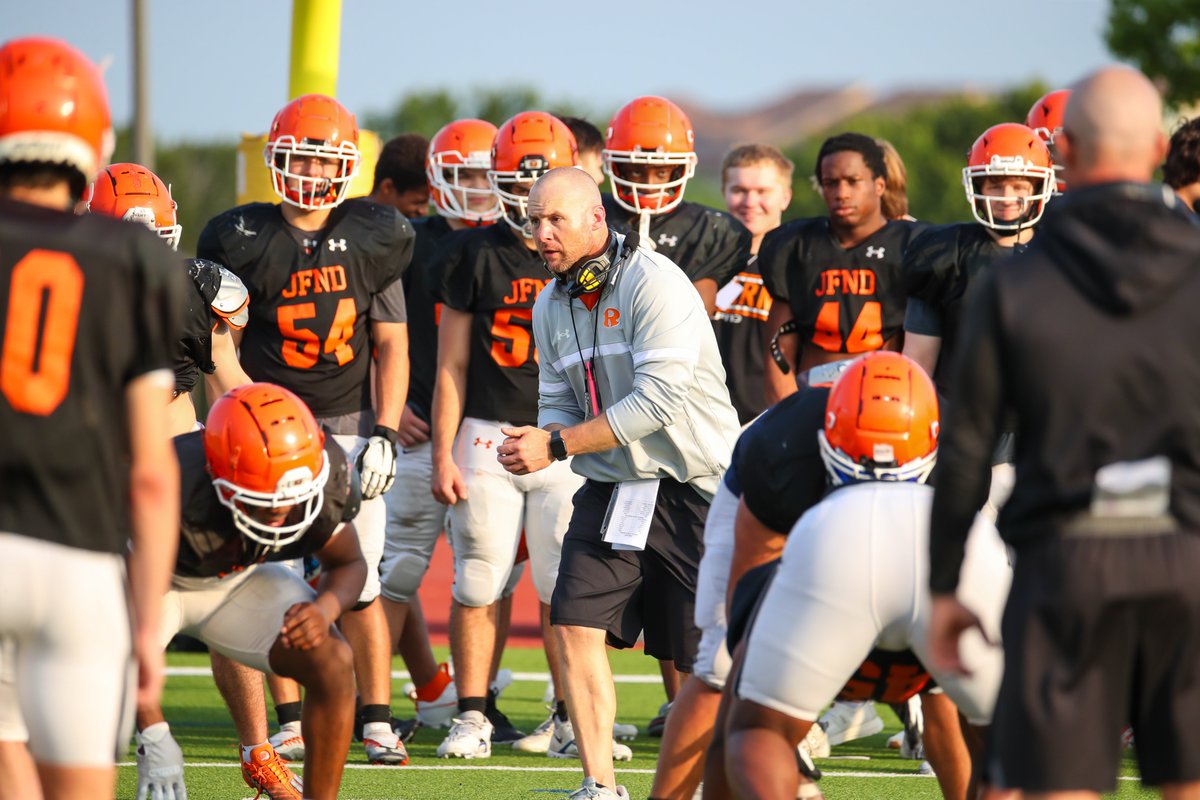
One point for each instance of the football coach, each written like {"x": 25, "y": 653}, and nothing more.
{"x": 631, "y": 387}
{"x": 1088, "y": 342}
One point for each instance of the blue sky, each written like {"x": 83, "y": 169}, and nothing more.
{"x": 220, "y": 67}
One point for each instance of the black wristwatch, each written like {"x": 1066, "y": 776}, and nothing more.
{"x": 558, "y": 448}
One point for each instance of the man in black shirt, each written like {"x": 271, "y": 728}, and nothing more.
{"x": 263, "y": 484}
{"x": 1086, "y": 341}
{"x": 89, "y": 310}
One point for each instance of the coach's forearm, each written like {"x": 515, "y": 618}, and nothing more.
{"x": 594, "y": 436}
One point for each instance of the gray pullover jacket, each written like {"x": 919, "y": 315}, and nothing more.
{"x": 657, "y": 369}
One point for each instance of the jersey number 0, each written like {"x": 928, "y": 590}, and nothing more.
{"x": 39, "y": 331}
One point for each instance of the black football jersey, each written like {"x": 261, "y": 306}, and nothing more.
{"x": 424, "y": 310}
{"x": 309, "y": 327}
{"x": 87, "y": 304}
{"x": 844, "y": 301}
{"x": 940, "y": 267}
{"x": 489, "y": 273}
{"x": 704, "y": 242}
{"x": 740, "y": 322}
{"x": 778, "y": 460}
{"x": 209, "y": 544}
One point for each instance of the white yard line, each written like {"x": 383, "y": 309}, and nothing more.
{"x": 503, "y": 768}
{"x": 528, "y": 677}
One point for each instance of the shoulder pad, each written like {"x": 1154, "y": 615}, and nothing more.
{"x": 206, "y": 275}
{"x": 377, "y": 228}
{"x": 244, "y": 233}
{"x": 232, "y": 302}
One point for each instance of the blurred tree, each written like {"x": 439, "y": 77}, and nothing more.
{"x": 1162, "y": 38}
{"x": 932, "y": 140}
{"x": 420, "y": 112}
{"x": 497, "y": 105}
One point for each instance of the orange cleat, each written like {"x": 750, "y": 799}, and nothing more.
{"x": 266, "y": 773}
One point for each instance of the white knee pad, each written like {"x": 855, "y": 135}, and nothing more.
{"x": 414, "y": 522}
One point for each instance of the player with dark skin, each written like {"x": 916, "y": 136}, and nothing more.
{"x": 854, "y": 198}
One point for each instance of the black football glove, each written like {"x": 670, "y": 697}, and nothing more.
{"x": 377, "y": 463}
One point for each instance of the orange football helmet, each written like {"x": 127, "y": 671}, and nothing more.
{"x": 132, "y": 192}
{"x": 312, "y": 126}
{"x": 463, "y": 144}
{"x": 881, "y": 421}
{"x": 528, "y": 146}
{"x": 53, "y": 107}
{"x": 1045, "y": 117}
{"x": 1008, "y": 149}
{"x": 652, "y": 131}
{"x": 266, "y": 451}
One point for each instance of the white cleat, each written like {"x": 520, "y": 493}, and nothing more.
{"x": 845, "y": 722}
{"x": 470, "y": 737}
{"x": 594, "y": 791}
{"x": 539, "y": 740}
{"x": 562, "y": 745}
{"x": 815, "y": 742}
{"x": 288, "y": 743}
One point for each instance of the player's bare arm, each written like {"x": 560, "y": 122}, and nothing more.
{"x": 154, "y": 507}
{"x": 707, "y": 287}
{"x": 229, "y": 373}
{"x": 449, "y": 399}
{"x": 754, "y": 544}
{"x": 343, "y": 573}
{"x": 923, "y": 349}
{"x": 391, "y": 371}
{"x": 777, "y": 385}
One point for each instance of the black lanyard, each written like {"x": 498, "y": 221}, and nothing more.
{"x": 590, "y": 388}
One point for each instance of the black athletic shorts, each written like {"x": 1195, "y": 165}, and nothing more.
{"x": 626, "y": 592}
{"x": 1098, "y": 633}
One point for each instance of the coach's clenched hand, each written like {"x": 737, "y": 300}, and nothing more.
{"x": 525, "y": 450}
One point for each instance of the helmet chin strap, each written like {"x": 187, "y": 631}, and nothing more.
{"x": 644, "y": 229}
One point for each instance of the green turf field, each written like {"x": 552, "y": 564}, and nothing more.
{"x": 862, "y": 770}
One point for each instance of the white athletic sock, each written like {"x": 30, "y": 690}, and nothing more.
{"x": 246, "y": 748}
{"x": 379, "y": 731}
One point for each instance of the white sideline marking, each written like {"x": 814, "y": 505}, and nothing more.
{"x": 500, "y": 768}
{"x": 529, "y": 677}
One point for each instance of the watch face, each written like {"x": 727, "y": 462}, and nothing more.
{"x": 558, "y": 448}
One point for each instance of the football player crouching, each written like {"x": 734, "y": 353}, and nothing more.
{"x": 260, "y": 485}
{"x": 879, "y": 444}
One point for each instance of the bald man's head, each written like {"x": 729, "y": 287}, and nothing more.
{"x": 1113, "y": 128}
{"x": 567, "y": 218}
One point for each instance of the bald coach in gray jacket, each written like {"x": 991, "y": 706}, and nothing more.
{"x": 633, "y": 388}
